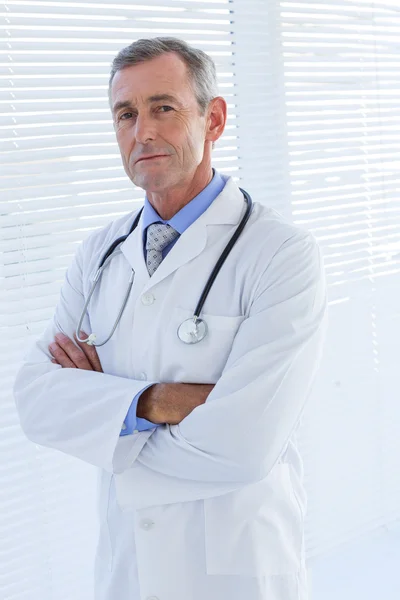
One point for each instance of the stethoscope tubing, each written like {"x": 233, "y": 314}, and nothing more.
{"x": 109, "y": 255}
{"x": 224, "y": 255}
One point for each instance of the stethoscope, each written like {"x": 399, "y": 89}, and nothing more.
{"x": 194, "y": 329}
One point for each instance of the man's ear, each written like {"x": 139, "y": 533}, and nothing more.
{"x": 216, "y": 120}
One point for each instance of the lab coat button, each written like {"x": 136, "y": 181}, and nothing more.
{"x": 146, "y": 524}
{"x": 147, "y": 299}
{"x": 143, "y": 376}
{"x": 123, "y": 427}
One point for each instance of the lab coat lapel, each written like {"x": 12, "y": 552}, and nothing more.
{"x": 132, "y": 249}
{"x": 226, "y": 209}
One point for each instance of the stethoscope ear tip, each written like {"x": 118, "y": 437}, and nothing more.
{"x": 91, "y": 339}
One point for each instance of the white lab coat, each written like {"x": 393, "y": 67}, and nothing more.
{"x": 211, "y": 508}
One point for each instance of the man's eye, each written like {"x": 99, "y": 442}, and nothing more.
{"x": 124, "y": 115}
{"x": 165, "y": 106}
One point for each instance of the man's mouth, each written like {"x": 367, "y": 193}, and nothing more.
{"x": 152, "y": 157}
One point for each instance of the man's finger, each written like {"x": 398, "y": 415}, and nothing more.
{"x": 75, "y": 354}
{"x": 90, "y": 352}
{"x": 60, "y": 357}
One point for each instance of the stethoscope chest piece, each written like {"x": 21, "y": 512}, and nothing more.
{"x": 192, "y": 330}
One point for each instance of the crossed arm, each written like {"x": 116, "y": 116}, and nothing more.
{"x": 239, "y": 428}
{"x": 161, "y": 403}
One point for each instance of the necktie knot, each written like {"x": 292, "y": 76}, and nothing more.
{"x": 159, "y": 235}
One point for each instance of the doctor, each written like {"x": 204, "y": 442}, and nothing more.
{"x": 200, "y": 480}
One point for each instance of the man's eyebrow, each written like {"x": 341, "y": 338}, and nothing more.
{"x": 162, "y": 98}
{"x": 150, "y": 99}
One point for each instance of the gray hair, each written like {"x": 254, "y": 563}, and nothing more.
{"x": 200, "y": 66}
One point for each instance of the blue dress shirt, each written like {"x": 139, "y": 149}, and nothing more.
{"x": 180, "y": 221}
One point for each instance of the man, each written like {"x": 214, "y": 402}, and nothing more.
{"x": 201, "y": 494}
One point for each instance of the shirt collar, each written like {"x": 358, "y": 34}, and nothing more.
{"x": 190, "y": 212}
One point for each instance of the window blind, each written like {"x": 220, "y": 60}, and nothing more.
{"x": 62, "y": 178}
{"x": 341, "y": 93}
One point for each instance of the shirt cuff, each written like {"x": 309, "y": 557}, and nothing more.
{"x": 134, "y": 424}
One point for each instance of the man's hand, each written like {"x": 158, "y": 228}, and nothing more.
{"x": 171, "y": 402}
{"x": 67, "y": 355}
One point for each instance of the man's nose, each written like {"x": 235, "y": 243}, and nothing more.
{"x": 144, "y": 129}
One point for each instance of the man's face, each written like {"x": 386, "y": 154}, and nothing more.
{"x": 149, "y": 124}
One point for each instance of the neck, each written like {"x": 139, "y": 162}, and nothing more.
{"x": 168, "y": 203}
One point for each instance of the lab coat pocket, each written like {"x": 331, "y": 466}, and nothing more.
{"x": 202, "y": 362}
{"x": 256, "y": 530}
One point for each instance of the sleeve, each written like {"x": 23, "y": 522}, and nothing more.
{"x": 134, "y": 424}
{"x": 243, "y": 428}
{"x": 74, "y": 411}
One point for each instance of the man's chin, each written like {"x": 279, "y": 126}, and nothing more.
{"x": 151, "y": 182}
